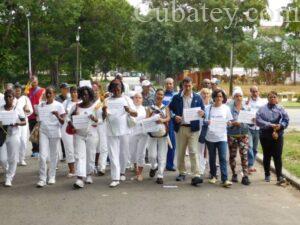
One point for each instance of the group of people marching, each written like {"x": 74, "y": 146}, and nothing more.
{"x": 89, "y": 127}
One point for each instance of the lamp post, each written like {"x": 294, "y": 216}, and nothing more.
{"x": 27, "y": 14}
{"x": 77, "y": 58}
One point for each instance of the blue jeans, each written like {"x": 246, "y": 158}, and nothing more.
{"x": 253, "y": 144}
{"x": 222, "y": 150}
{"x": 171, "y": 151}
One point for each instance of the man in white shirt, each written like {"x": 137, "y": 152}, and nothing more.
{"x": 254, "y": 102}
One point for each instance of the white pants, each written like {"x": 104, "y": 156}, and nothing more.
{"x": 68, "y": 141}
{"x": 24, "y": 130}
{"x": 118, "y": 150}
{"x": 138, "y": 145}
{"x": 202, "y": 159}
{"x": 158, "y": 148}
{"x": 9, "y": 155}
{"x": 48, "y": 152}
{"x": 85, "y": 151}
{"x": 102, "y": 146}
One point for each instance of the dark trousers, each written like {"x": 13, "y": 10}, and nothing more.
{"x": 35, "y": 147}
{"x": 272, "y": 148}
{"x": 171, "y": 151}
{"x": 63, "y": 149}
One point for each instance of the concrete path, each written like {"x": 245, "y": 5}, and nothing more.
{"x": 145, "y": 203}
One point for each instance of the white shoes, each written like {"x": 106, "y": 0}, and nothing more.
{"x": 122, "y": 177}
{"x": 70, "y": 175}
{"x": 51, "y": 181}
{"x": 23, "y": 163}
{"x": 41, "y": 184}
{"x": 7, "y": 183}
{"x": 89, "y": 179}
{"x": 78, "y": 184}
{"x": 114, "y": 184}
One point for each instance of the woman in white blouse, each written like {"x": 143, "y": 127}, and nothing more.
{"x": 51, "y": 117}
{"x": 86, "y": 137}
{"x": 118, "y": 111}
{"x": 68, "y": 138}
{"x": 23, "y": 103}
{"x": 10, "y": 140}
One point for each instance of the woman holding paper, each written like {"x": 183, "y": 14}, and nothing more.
{"x": 238, "y": 138}
{"x": 51, "y": 117}
{"x": 118, "y": 110}
{"x": 11, "y": 142}
{"x": 139, "y": 142}
{"x": 158, "y": 141}
{"x": 68, "y": 139}
{"x": 23, "y": 103}
{"x": 84, "y": 117}
{"x": 218, "y": 116}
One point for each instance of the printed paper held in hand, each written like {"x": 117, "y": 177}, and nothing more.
{"x": 45, "y": 114}
{"x": 8, "y": 117}
{"x": 150, "y": 125}
{"x": 246, "y": 116}
{"x": 80, "y": 121}
{"x": 191, "y": 114}
{"x": 217, "y": 124}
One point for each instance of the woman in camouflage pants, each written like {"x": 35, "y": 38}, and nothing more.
{"x": 238, "y": 138}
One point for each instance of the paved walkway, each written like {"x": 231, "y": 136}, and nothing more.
{"x": 145, "y": 203}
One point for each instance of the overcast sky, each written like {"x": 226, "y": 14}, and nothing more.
{"x": 274, "y": 5}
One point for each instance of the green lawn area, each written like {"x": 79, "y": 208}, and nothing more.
{"x": 291, "y": 153}
{"x": 291, "y": 104}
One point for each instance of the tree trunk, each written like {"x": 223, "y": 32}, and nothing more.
{"x": 54, "y": 74}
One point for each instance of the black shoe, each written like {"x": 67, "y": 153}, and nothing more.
{"x": 170, "y": 169}
{"x": 246, "y": 181}
{"x": 268, "y": 178}
{"x": 180, "y": 177}
{"x": 100, "y": 173}
{"x": 196, "y": 181}
{"x": 281, "y": 181}
{"x": 152, "y": 172}
{"x": 159, "y": 181}
{"x": 234, "y": 178}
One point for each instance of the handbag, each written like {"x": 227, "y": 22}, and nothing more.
{"x": 35, "y": 134}
{"x": 3, "y": 133}
{"x": 204, "y": 129}
{"x": 164, "y": 128}
{"x": 131, "y": 121}
{"x": 70, "y": 129}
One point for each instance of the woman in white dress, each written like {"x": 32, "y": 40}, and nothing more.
{"x": 68, "y": 139}
{"x": 10, "y": 140}
{"x": 86, "y": 137}
{"x": 23, "y": 103}
{"x": 50, "y": 135}
{"x": 118, "y": 111}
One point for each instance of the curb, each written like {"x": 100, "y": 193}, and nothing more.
{"x": 293, "y": 180}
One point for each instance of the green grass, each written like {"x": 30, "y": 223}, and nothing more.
{"x": 291, "y": 153}
{"x": 290, "y": 104}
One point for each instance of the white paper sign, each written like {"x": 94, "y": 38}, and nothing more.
{"x": 150, "y": 125}
{"x": 83, "y": 83}
{"x": 246, "y": 116}
{"x": 45, "y": 114}
{"x": 8, "y": 117}
{"x": 191, "y": 114}
{"x": 217, "y": 124}
{"x": 80, "y": 121}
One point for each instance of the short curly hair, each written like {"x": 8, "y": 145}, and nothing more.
{"x": 110, "y": 86}
{"x": 89, "y": 90}
{"x": 216, "y": 92}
